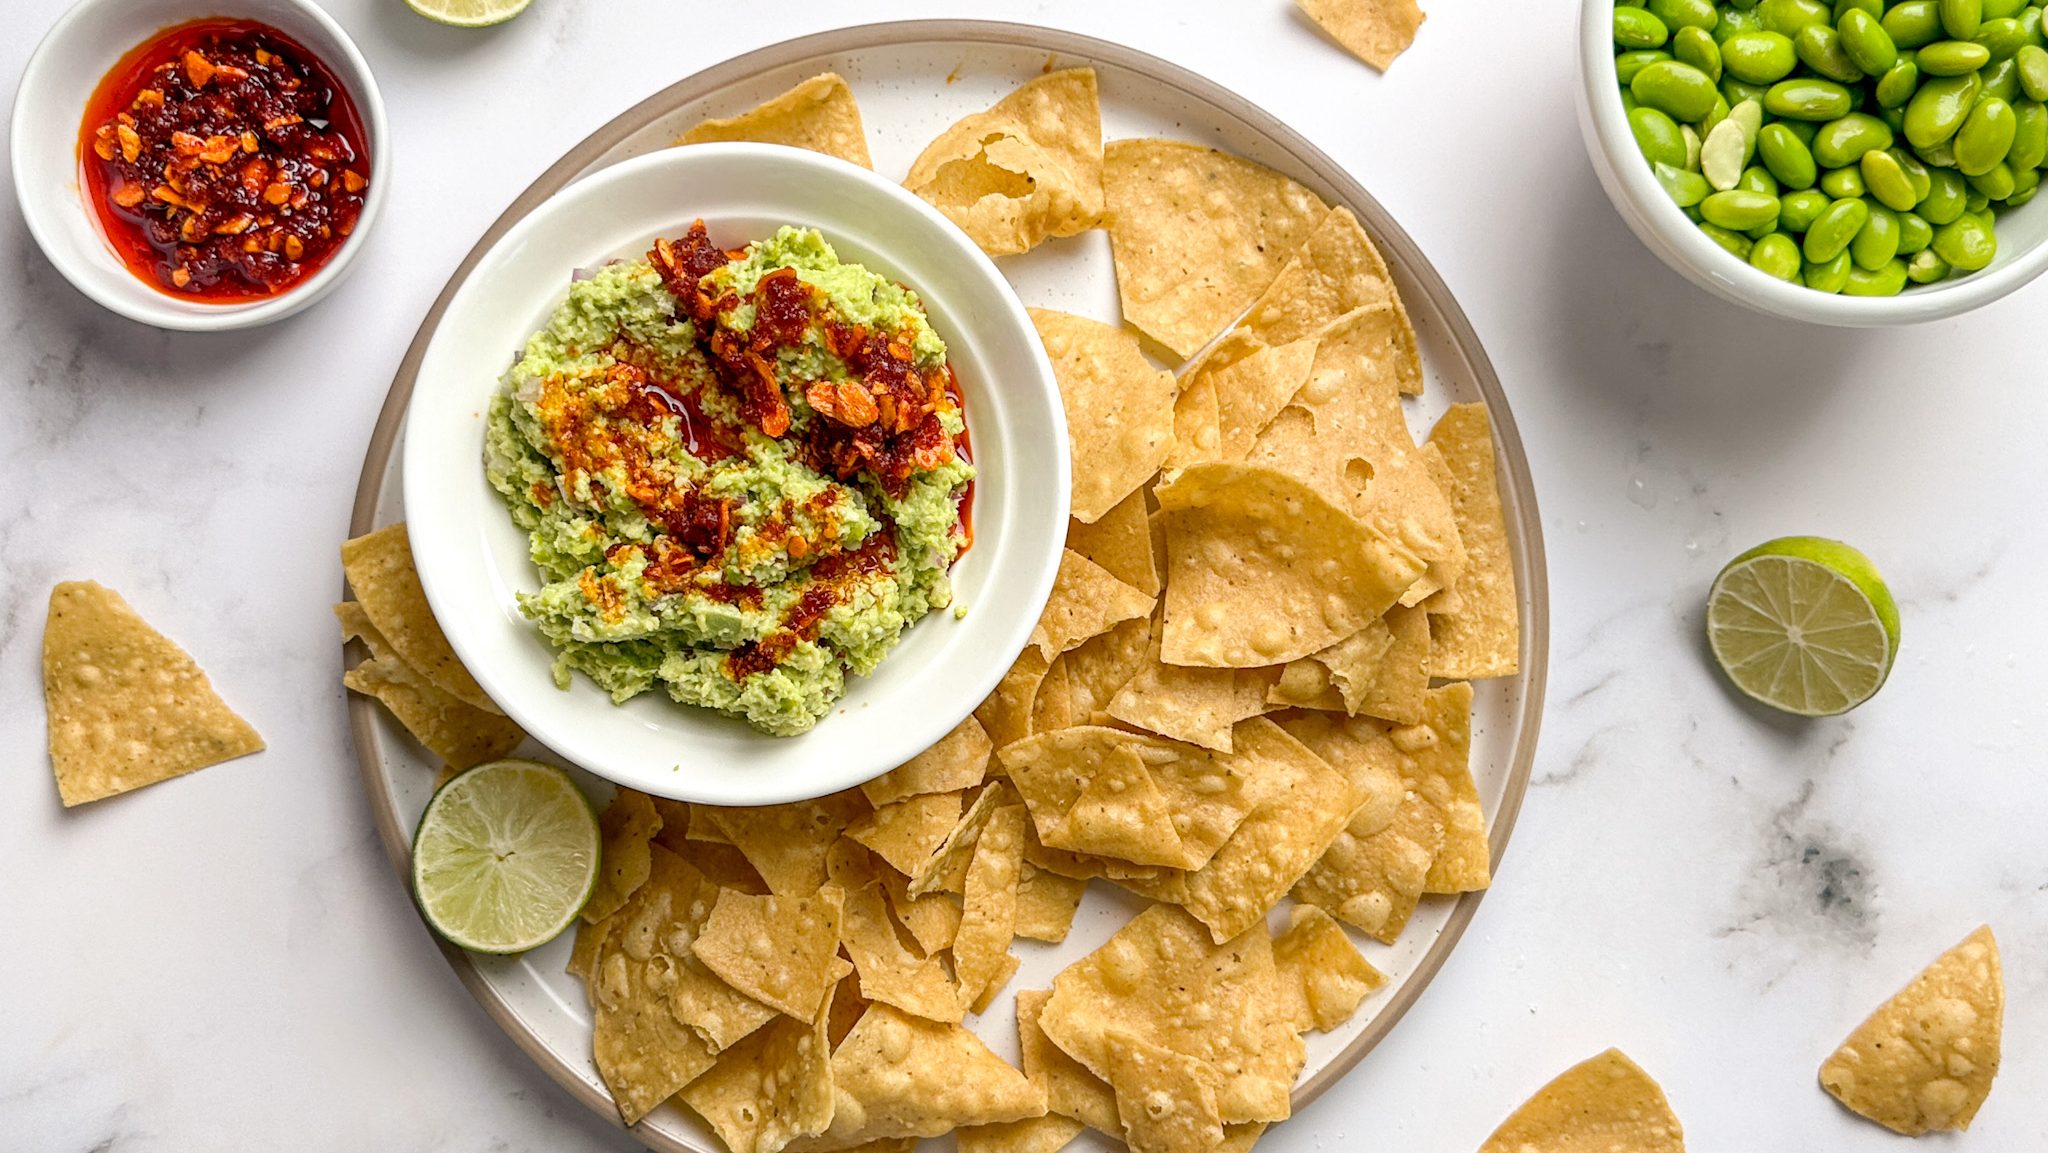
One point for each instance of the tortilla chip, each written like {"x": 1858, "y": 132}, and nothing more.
{"x": 770, "y": 1088}
{"x": 1359, "y": 748}
{"x": 1357, "y": 663}
{"x": 725, "y": 865}
{"x": 1167, "y": 1099}
{"x": 781, "y": 951}
{"x": 1196, "y": 705}
{"x": 1303, "y": 805}
{"x": 459, "y": 733}
{"x": 957, "y": 762}
{"x": 1006, "y": 968}
{"x": 1252, "y": 389}
{"x": 1070, "y": 1089}
{"x": 903, "y": 1076}
{"x": 1436, "y": 764}
{"x": 1086, "y": 602}
{"x": 1336, "y": 272}
{"x": 1197, "y": 425}
{"x": 819, "y": 114}
{"x": 932, "y": 920}
{"x": 1375, "y": 879}
{"x": 1006, "y": 714}
{"x": 1053, "y": 707}
{"x": 948, "y": 865}
{"x": 643, "y": 1052}
{"x": 1046, "y": 903}
{"x": 1263, "y": 569}
{"x": 907, "y": 833}
{"x": 1102, "y": 665}
{"x": 988, "y": 919}
{"x": 628, "y": 824}
{"x": 1306, "y": 684}
{"x": 720, "y": 1014}
{"x": 1197, "y": 234}
{"x": 787, "y": 844}
{"x": 1605, "y": 1104}
{"x": 1119, "y": 408}
{"x": 1241, "y": 1137}
{"x": 889, "y": 972}
{"x": 1207, "y": 794}
{"x": 1399, "y": 680}
{"x": 1483, "y": 637}
{"x": 1375, "y": 31}
{"x": 1027, "y": 169}
{"x": 379, "y": 568}
{"x": 1120, "y": 813}
{"x": 583, "y": 956}
{"x": 126, "y": 706}
{"x": 1048, "y": 1134}
{"x": 702, "y": 824}
{"x": 1162, "y": 980}
{"x": 1926, "y": 1058}
{"x": 1121, "y": 542}
{"x": 1322, "y": 975}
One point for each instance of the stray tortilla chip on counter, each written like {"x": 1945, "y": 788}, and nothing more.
{"x": 957, "y": 762}
{"x": 819, "y": 114}
{"x": 1086, "y": 602}
{"x": 1167, "y": 1100}
{"x": 126, "y": 706}
{"x": 628, "y": 826}
{"x": 772, "y": 1087}
{"x": 1197, "y": 234}
{"x": 1375, "y": 31}
{"x": 379, "y": 568}
{"x": 1925, "y": 1060}
{"x": 1119, "y": 408}
{"x": 1027, "y": 169}
{"x": 1483, "y": 637}
{"x": 1605, "y": 1104}
{"x": 1120, "y": 540}
{"x": 454, "y": 730}
{"x": 781, "y": 951}
{"x": 1323, "y": 977}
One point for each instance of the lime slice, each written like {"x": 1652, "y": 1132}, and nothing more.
{"x": 468, "y": 13}
{"x": 505, "y": 856}
{"x": 1804, "y": 625}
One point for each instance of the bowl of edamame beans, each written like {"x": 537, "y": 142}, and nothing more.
{"x": 1845, "y": 162}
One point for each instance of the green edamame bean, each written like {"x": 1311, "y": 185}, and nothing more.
{"x": 2025, "y": 183}
{"x": 1960, "y": 18}
{"x": 2029, "y": 136}
{"x": 1828, "y": 275}
{"x": 1926, "y": 267}
{"x": 1913, "y": 23}
{"x": 1682, "y": 91}
{"x": 1915, "y": 171}
{"x": 2002, "y": 38}
{"x": 1803, "y": 129}
{"x": 1965, "y": 243}
{"x": 2000, "y": 78}
{"x": 1887, "y": 181}
{"x": 1757, "y": 178}
{"x": 1869, "y": 46}
{"x": 1894, "y": 118}
{"x": 1787, "y": 17}
{"x": 1739, "y": 210}
{"x": 2000, "y": 9}
{"x": 1757, "y": 58}
{"x": 1736, "y": 91}
{"x": 1692, "y": 147}
{"x": 1951, "y": 57}
{"x": 1695, "y": 46}
{"x": 1914, "y": 233}
{"x": 2030, "y": 27}
{"x": 1888, "y": 279}
{"x": 1684, "y": 188}
{"x": 1996, "y": 184}
{"x": 1658, "y": 136}
{"x": 1820, "y": 47}
{"x": 1786, "y": 156}
{"x": 1870, "y": 8}
{"x": 1628, "y": 64}
{"x": 1976, "y": 202}
{"x": 1805, "y": 98}
{"x": 1775, "y": 255}
{"x": 1798, "y": 210}
{"x": 1942, "y": 155}
{"x": 1678, "y": 14}
{"x": 2032, "y": 61}
{"x": 1985, "y": 137}
{"x": 1715, "y": 115}
{"x": 1628, "y": 102}
{"x": 1934, "y": 113}
{"x": 1877, "y": 241}
{"x": 1843, "y": 140}
{"x": 1896, "y": 86}
{"x": 1828, "y": 236}
{"x": 1843, "y": 183}
{"x": 1736, "y": 21}
{"x": 1734, "y": 243}
{"x": 1946, "y": 200}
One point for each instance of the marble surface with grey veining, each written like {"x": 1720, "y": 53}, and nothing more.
{"x": 224, "y": 962}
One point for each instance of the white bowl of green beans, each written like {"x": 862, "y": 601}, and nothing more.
{"x": 1846, "y": 162}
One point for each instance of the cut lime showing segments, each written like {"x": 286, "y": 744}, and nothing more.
{"x": 505, "y": 856}
{"x": 468, "y": 13}
{"x": 1804, "y": 625}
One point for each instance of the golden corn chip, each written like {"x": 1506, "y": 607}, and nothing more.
{"x": 1197, "y": 425}
{"x": 718, "y": 1013}
{"x": 458, "y": 732}
{"x": 1046, "y": 903}
{"x": 1121, "y": 542}
{"x": 1162, "y": 980}
{"x": 1303, "y": 805}
{"x": 1196, "y": 705}
{"x": 1346, "y": 671}
{"x": 1006, "y": 968}
{"x": 1086, "y": 602}
{"x": 1322, "y": 975}
{"x": 770, "y": 1088}
{"x": 1306, "y": 683}
{"x": 1048, "y": 1134}
{"x": 1336, "y": 271}
{"x": 903, "y": 1076}
{"x": 628, "y": 825}
{"x": 787, "y": 844}
{"x": 126, "y": 706}
{"x": 643, "y": 1052}
{"x": 1120, "y": 813}
{"x": 1359, "y": 748}
{"x": 1375, "y": 879}
{"x": 1053, "y": 707}
{"x": 1197, "y": 234}
{"x": 1483, "y": 638}
{"x": 1006, "y": 714}
{"x": 583, "y": 956}
{"x": 889, "y": 972}
{"x": 1262, "y": 569}
{"x": 1241, "y": 1137}
{"x": 846, "y": 1008}
{"x": 932, "y": 919}
{"x": 947, "y": 867}
{"x": 1119, "y": 408}
{"x": 1049, "y": 770}
{"x": 379, "y": 568}
{"x": 849, "y": 864}
{"x": 1375, "y": 31}
{"x": 702, "y": 823}
{"x": 1926, "y": 1058}
{"x": 1027, "y": 169}
{"x": 1436, "y": 756}
{"x": 1250, "y": 392}
{"x": 725, "y": 865}
{"x": 781, "y": 951}
{"x": 988, "y": 920}
{"x": 1167, "y": 1100}
{"x": 819, "y": 114}
{"x": 908, "y": 832}
{"x": 1399, "y": 679}
{"x": 1605, "y": 1104}
{"x": 1102, "y": 665}
{"x": 1070, "y": 1089}
{"x": 957, "y": 762}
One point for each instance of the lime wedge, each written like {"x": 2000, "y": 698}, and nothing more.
{"x": 468, "y": 13}
{"x": 505, "y": 856}
{"x": 1804, "y": 625}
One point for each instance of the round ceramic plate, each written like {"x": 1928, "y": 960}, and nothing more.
{"x": 913, "y": 80}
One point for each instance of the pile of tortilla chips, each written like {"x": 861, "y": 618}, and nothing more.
{"x": 1247, "y": 690}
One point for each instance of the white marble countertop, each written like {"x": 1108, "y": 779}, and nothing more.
{"x": 226, "y": 960}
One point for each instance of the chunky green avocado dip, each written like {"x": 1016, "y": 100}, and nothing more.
{"x": 742, "y": 474}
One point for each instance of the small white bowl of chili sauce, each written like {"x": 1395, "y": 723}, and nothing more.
{"x": 196, "y": 169}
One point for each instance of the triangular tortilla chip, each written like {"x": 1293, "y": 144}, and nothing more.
{"x": 947, "y": 867}
{"x": 988, "y": 920}
{"x": 781, "y": 951}
{"x": 957, "y": 762}
{"x": 1086, "y": 602}
{"x": 1436, "y": 763}
{"x": 819, "y": 114}
{"x": 1375, "y": 879}
{"x": 907, "y": 833}
{"x": 770, "y": 1088}
{"x": 1322, "y": 975}
{"x": 1053, "y": 707}
{"x": 1048, "y": 1134}
{"x": 379, "y": 568}
{"x": 1359, "y": 748}
{"x": 1046, "y": 903}
{"x": 1483, "y": 637}
{"x": 1601, "y": 1105}
{"x": 1122, "y": 814}
{"x": 889, "y": 972}
{"x": 1197, "y": 425}
{"x": 126, "y": 706}
{"x": 1167, "y": 1100}
{"x": 1121, "y": 542}
{"x": 643, "y": 1052}
{"x": 458, "y": 732}
{"x": 1006, "y": 713}
{"x": 1399, "y": 679}
{"x": 1027, "y": 169}
{"x": 932, "y": 920}
{"x": 787, "y": 844}
{"x": 1070, "y": 1089}
{"x": 1119, "y": 408}
{"x": 903, "y": 1076}
{"x": 1336, "y": 271}
{"x": 1101, "y": 665}
{"x": 1252, "y": 391}
{"x": 1375, "y": 31}
{"x": 1926, "y": 1058}
{"x": 1196, "y": 705}
{"x": 628, "y": 825}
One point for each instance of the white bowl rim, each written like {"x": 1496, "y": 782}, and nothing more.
{"x": 921, "y": 730}
{"x": 1700, "y": 260}
{"x": 40, "y": 198}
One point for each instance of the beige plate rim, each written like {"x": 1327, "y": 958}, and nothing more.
{"x": 1402, "y": 251}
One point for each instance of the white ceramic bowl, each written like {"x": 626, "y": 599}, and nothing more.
{"x": 1663, "y": 226}
{"x": 472, "y": 559}
{"x": 50, "y": 103}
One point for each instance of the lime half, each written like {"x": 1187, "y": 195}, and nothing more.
{"x": 1804, "y": 625}
{"x": 468, "y": 13}
{"x": 505, "y": 856}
